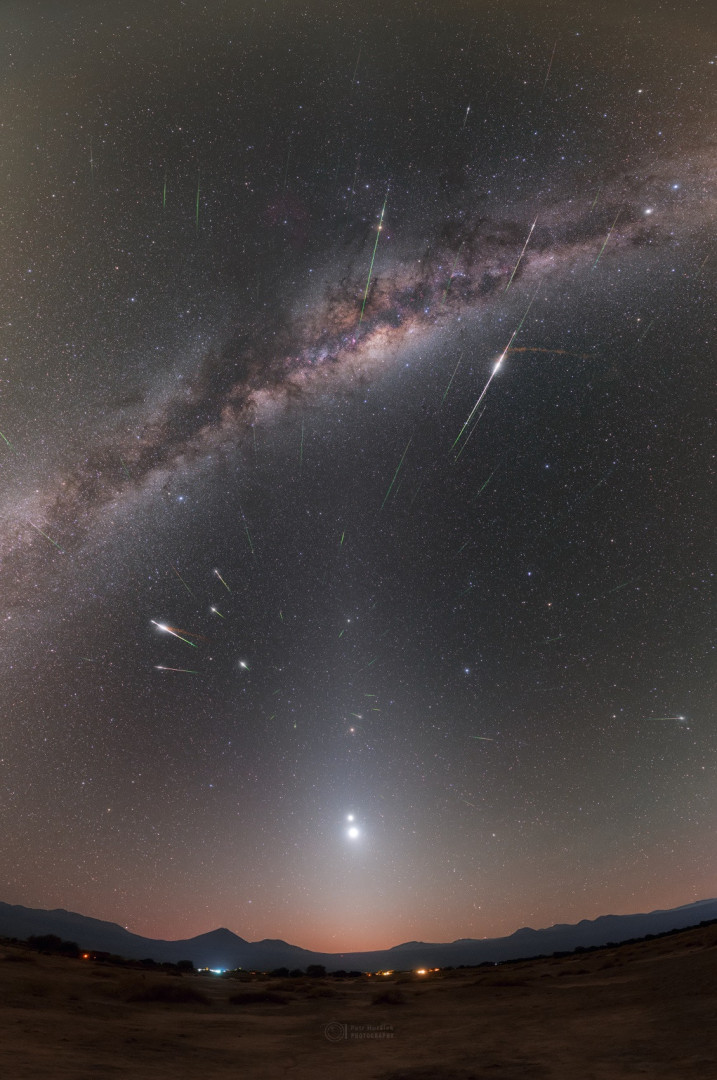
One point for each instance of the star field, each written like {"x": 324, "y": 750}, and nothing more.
{"x": 357, "y": 406}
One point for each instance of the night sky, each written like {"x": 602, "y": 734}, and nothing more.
{"x": 447, "y": 663}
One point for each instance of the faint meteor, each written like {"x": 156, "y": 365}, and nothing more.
{"x": 485, "y": 484}
{"x": 46, "y": 536}
{"x": 184, "y": 583}
{"x": 450, "y": 381}
{"x": 483, "y": 738}
{"x": 6, "y": 440}
{"x": 521, "y": 255}
{"x": 168, "y": 630}
{"x": 187, "y": 671}
{"x": 353, "y": 77}
{"x": 609, "y": 233}
{"x": 648, "y": 719}
{"x": 222, "y": 581}
{"x": 547, "y": 74}
{"x": 465, "y": 118}
{"x": 396, "y": 472}
{"x": 370, "y": 269}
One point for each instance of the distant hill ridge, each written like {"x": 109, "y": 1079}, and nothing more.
{"x": 222, "y": 948}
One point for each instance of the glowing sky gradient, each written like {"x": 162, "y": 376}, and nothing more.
{"x": 356, "y": 548}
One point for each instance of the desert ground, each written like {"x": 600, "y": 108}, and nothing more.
{"x": 647, "y": 1010}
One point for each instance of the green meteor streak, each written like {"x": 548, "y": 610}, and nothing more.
{"x": 217, "y": 612}
{"x": 187, "y": 671}
{"x": 341, "y": 541}
{"x": 617, "y": 215}
{"x": 251, "y": 546}
{"x": 396, "y": 472}
{"x": 184, "y": 583}
{"x": 483, "y": 738}
{"x": 47, "y": 537}
{"x": 7, "y": 441}
{"x": 450, "y": 381}
{"x": 485, "y": 485}
{"x": 370, "y": 269}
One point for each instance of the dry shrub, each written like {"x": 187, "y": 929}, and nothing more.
{"x": 37, "y": 988}
{"x": 170, "y": 993}
{"x": 322, "y": 992}
{"x": 258, "y": 997}
{"x": 389, "y": 995}
{"x": 20, "y": 958}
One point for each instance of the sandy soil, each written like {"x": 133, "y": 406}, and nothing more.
{"x": 638, "y": 1011}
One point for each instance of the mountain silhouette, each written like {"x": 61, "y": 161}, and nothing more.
{"x": 222, "y": 948}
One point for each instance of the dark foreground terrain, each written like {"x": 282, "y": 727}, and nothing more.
{"x": 646, "y": 1010}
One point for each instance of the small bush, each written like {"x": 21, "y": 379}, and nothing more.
{"x": 390, "y": 995}
{"x": 169, "y": 993}
{"x": 19, "y": 958}
{"x": 258, "y": 997}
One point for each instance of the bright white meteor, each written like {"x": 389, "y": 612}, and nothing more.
{"x": 497, "y": 364}
{"x": 168, "y": 630}
{"x": 522, "y": 252}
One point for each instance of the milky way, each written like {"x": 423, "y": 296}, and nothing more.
{"x": 283, "y": 545}
{"x": 465, "y": 270}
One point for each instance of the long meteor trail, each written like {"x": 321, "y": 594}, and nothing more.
{"x": 497, "y": 364}
{"x": 370, "y": 269}
{"x": 396, "y": 472}
{"x": 521, "y": 254}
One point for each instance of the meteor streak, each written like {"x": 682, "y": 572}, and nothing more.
{"x": 617, "y": 215}
{"x": 46, "y": 536}
{"x": 521, "y": 254}
{"x": 450, "y": 381}
{"x": 497, "y": 364}
{"x": 547, "y": 74}
{"x": 222, "y": 581}
{"x": 184, "y": 583}
{"x": 656, "y": 718}
{"x": 396, "y": 472}
{"x": 168, "y": 630}
{"x": 188, "y": 671}
{"x": 370, "y": 269}
{"x": 217, "y": 612}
